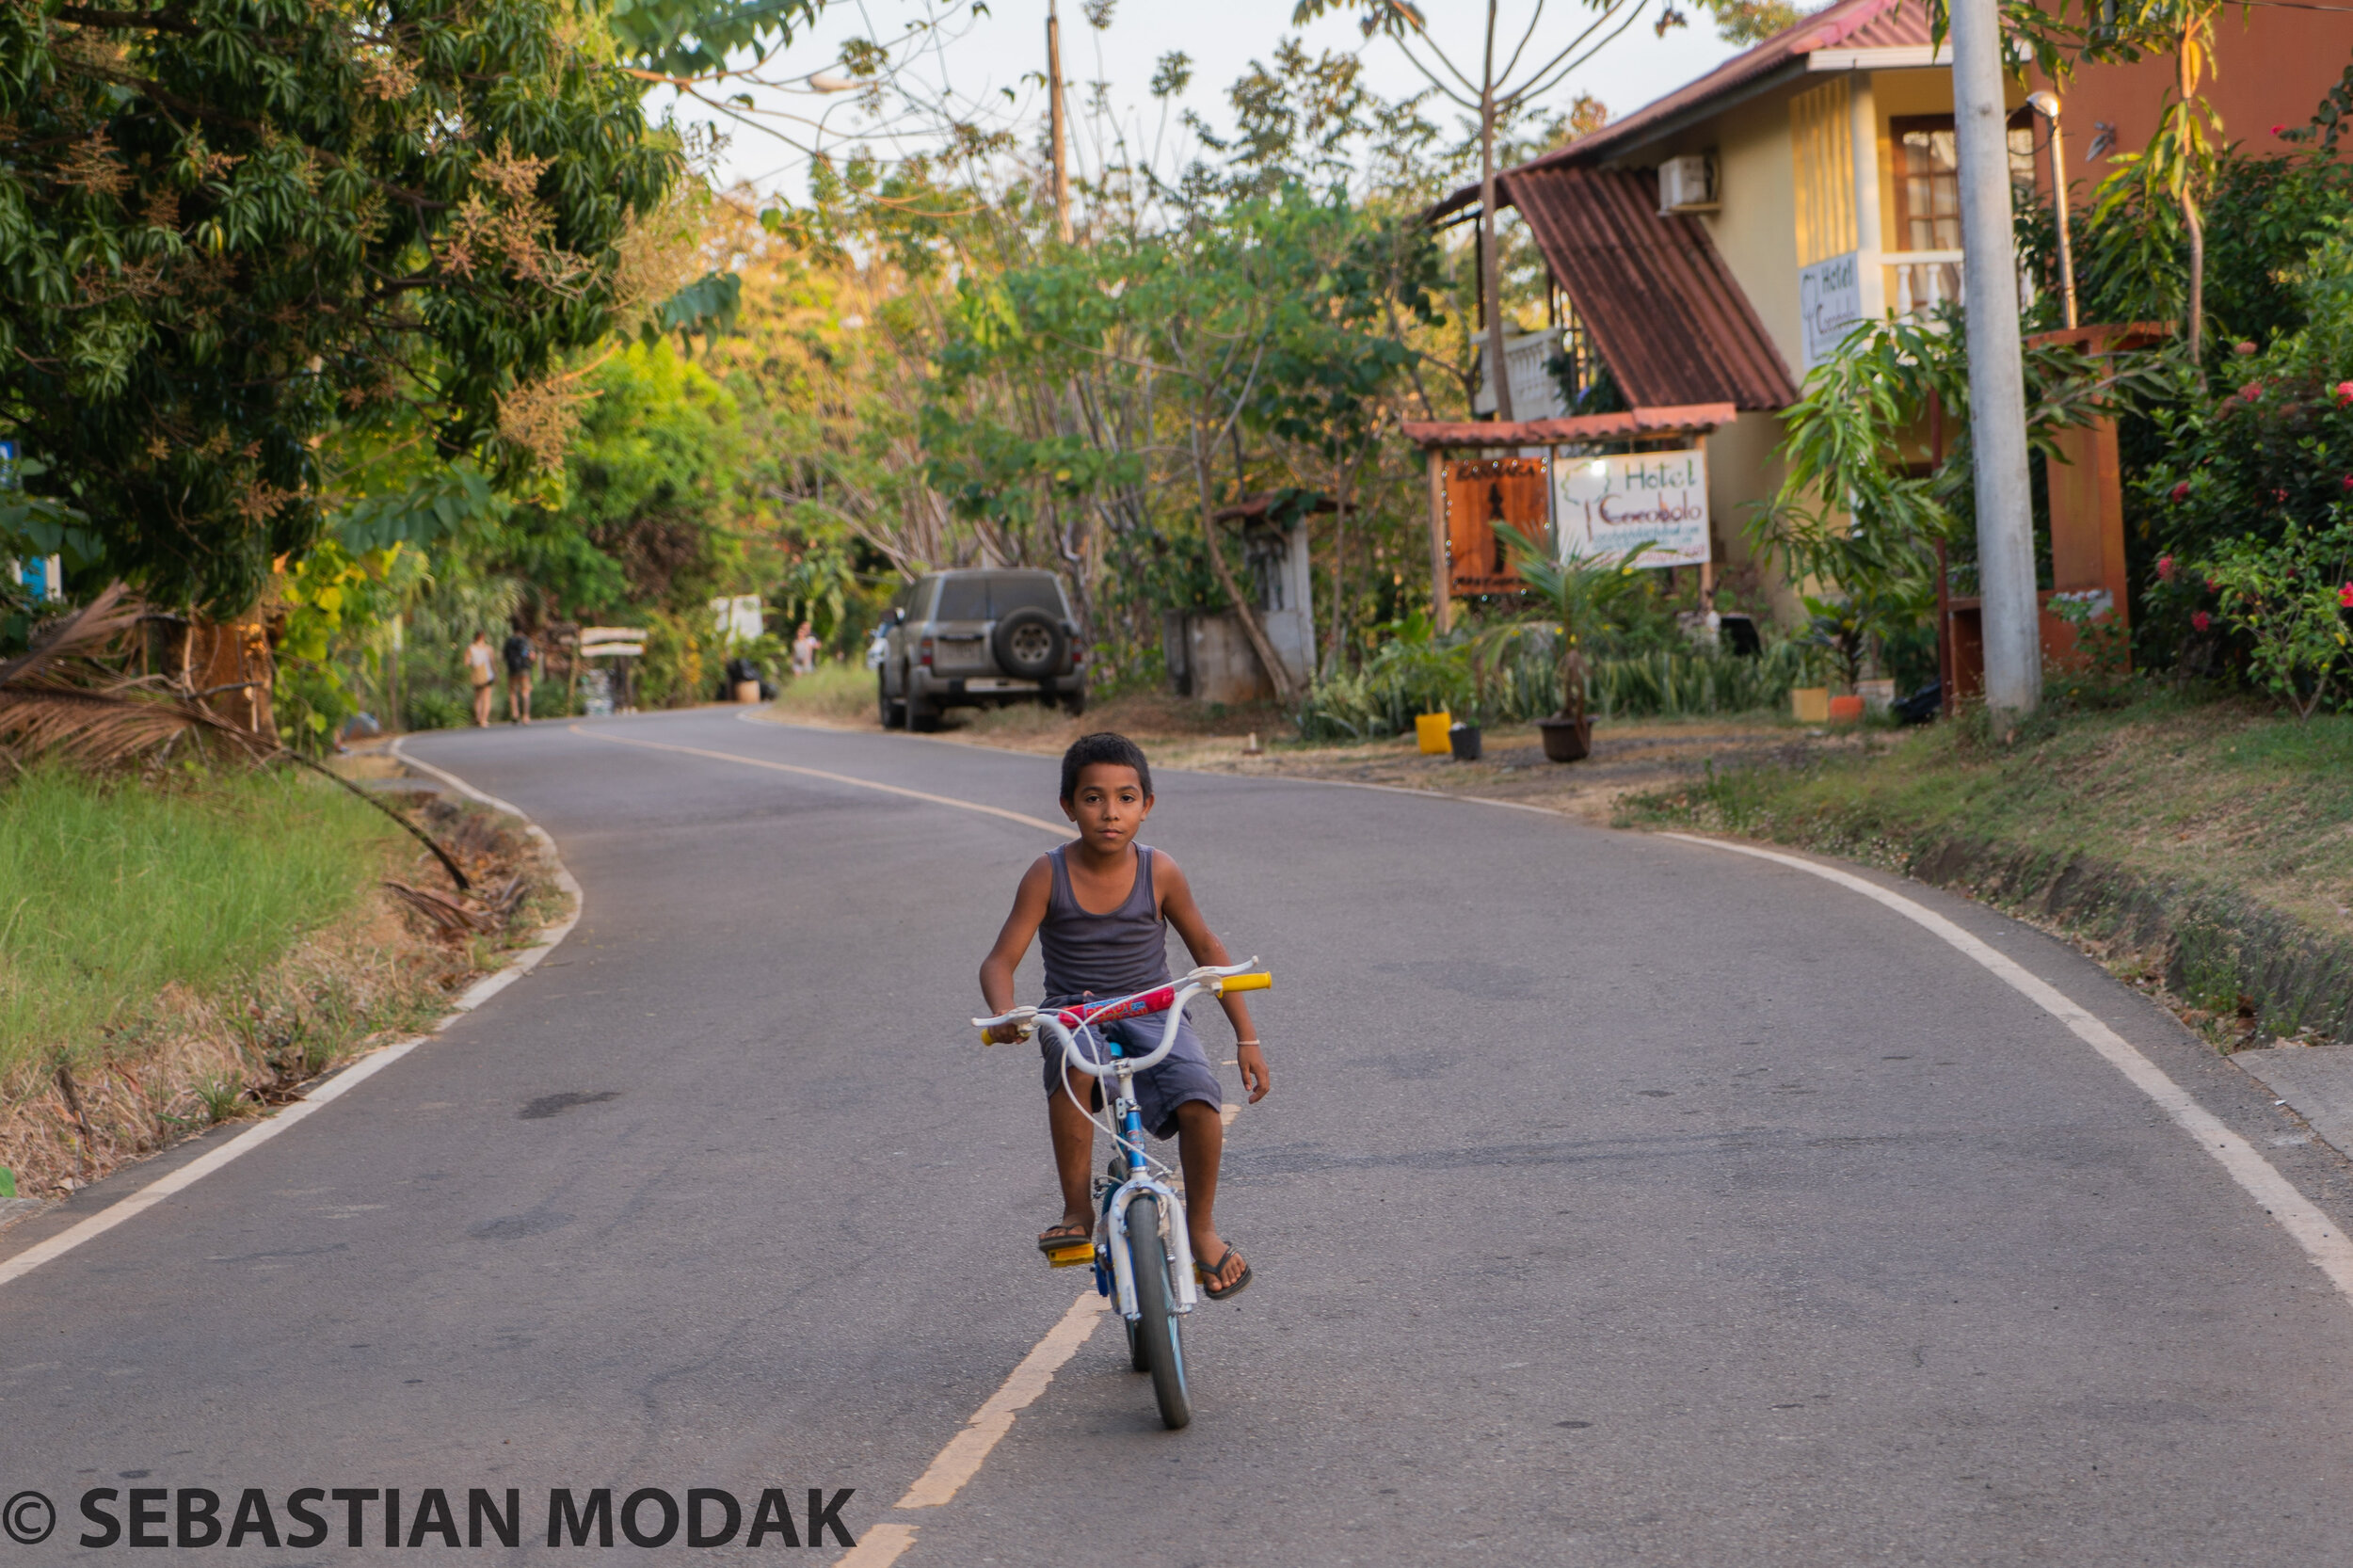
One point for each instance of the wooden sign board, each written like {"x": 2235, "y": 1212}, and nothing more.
{"x": 1481, "y": 492}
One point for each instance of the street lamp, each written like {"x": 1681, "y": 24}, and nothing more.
{"x": 2047, "y": 105}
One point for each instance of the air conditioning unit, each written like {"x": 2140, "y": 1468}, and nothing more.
{"x": 1686, "y": 184}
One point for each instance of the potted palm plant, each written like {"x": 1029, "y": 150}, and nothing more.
{"x": 1576, "y": 594}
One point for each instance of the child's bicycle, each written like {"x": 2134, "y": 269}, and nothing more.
{"x": 1142, "y": 1253}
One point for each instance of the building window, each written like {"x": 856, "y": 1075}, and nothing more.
{"x": 1927, "y": 180}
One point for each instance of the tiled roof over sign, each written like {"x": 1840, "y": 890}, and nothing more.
{"x": 1663, "y": 311}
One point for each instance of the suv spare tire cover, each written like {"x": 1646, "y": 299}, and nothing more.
{"x": 1030, "y": 644}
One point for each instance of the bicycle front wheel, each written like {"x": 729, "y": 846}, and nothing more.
{"x": 1158, "y": 1340}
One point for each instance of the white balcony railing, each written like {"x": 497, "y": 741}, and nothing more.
{"x": 1919, "y": 280}
{"x": 1534, "y": 392}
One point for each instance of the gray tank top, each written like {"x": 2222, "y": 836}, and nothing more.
{"x": 1111, "y": 956}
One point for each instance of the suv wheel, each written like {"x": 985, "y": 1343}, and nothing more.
{"x": 1030, "y": 645}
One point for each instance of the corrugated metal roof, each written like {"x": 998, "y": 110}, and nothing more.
{"x": 1846, "y": 24}
{"x": 1563, "y": 432}
{"x": 1662, "y": 308}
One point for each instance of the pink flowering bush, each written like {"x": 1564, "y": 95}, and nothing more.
{"x": 2248, "y": 478}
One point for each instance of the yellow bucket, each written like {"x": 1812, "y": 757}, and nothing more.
{"x": 1431, "y": 730}
{"x": 1810, "y": 704}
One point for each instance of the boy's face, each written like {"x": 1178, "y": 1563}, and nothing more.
{"x": 1107, "y": 807}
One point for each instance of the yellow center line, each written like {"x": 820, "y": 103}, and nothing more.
{"x": 884, "y": 1544}
{"x": 1060, "y": 829}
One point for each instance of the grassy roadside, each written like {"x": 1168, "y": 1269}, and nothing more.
{"x": 2201, "y": 848}
{"x": 178, "y": 954}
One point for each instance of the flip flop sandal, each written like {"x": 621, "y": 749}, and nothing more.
{"x": 1064, "y": 1238}
{"x": 1206, "y": 1276}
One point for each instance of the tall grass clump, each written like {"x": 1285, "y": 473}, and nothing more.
{"x": 836, "y": 691}
{"x": 109, "y": 893}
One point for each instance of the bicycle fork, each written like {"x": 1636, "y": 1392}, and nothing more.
{"x": 1129, "y": 1119}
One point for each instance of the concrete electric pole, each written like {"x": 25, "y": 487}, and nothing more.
{"x": 1997, "y": 380}
{"x": 1053, "y": 111}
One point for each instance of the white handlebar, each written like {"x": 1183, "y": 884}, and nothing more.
{"x": 1054, "y": 1027}
{"x": 1189, "y": 988}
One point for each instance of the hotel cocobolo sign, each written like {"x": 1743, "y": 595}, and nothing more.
{"x": 1607, "y": 505}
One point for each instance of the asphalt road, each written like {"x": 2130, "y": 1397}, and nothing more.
{"x": 1619, "y": 1201}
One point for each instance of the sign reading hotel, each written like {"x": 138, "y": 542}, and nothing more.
{"x": 1607, "y": 505}
{"x": 1829, "y": 302}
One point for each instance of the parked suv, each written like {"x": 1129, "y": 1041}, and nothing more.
{"x": 959, "y": 639}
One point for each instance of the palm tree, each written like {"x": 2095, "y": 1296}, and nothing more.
{"x": 1577, "y": 592}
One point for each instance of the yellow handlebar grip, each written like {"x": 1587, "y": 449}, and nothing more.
{"x": 1244, "y": 982}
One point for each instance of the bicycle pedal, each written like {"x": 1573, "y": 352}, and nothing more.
{"x": 1071, "y": 1258}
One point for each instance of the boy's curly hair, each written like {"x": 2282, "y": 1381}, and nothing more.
{"x": 1103, "y": 747}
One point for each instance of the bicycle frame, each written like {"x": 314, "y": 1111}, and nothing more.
{"x": 1066, "y": 1025}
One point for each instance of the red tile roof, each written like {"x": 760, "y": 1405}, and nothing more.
{"x": 1669, "y": 320}
{"x": 1558, "y": 432}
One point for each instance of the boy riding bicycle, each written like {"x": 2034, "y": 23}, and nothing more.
{"x": 1107, "y": 793}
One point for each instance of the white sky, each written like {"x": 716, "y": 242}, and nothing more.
{"x": 994, "y": 51}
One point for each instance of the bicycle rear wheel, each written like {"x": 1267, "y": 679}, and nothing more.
{"x": 1158, "y": 1338}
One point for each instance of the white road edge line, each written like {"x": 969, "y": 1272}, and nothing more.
{"x": 196, "y": 1170}
{"x": 2322, "y": 1241}
{"x": 1060, "y": 829}
{"x": 751, "y": 717}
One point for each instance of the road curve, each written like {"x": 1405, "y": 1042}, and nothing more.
{"x": 1619, "y": 1202}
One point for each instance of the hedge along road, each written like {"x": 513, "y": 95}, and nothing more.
{"x": 1619, "y": 1200}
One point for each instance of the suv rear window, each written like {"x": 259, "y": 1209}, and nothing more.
{"x": 1008, "y": 593}
{"x": 962, "y": 599}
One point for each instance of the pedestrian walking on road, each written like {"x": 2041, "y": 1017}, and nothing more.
{"x": 804, "y": 647}
{"x": 479, "y": 667}
{"x": 1107, "y": 792}
{"x": 519, "y": 654}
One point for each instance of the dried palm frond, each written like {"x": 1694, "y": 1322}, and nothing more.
{"x": 451, "y": 917}
{"x": 82, "y": 634}
{"x": 61, "y": 699}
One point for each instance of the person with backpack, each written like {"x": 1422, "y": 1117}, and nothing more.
{"x": 519, "y": 654}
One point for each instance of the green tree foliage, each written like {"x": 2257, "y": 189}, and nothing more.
{"x": 697, "y": 37}
{"x": 229, "y": 226}
{"x": 648, "y": 492}
{"x": 1854, "y": 518}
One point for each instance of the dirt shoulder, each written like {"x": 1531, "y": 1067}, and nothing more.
{"x": 1629, "y": 756}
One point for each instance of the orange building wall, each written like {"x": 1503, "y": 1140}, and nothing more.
{"x": 2274, "y": 66}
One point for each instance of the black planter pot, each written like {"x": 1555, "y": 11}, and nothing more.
{"x": 1464, "y": 738}
{"x": 1566, "y": 739}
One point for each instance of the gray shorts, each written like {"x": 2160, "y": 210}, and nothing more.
{"x": 1184, "y": 1074}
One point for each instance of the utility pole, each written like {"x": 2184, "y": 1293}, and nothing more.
{"x": 1489, "y": 269}
{"x": 1053, "y": 86}
{"x": 1997, "y": 378}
